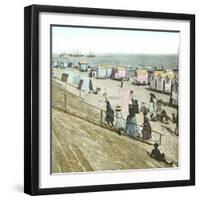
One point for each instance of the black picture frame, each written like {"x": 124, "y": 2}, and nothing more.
{"x": 31, "y": 98}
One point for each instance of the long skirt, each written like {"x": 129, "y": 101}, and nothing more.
{"x": 131, "y": 127}
{"x": 151, "y": 108}
{"x": 119, "y": 122}
{"x": 109, "y": 118}
{"x": 146, "y": 133}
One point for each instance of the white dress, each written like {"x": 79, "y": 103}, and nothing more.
{"x": 120, "y": 121}
{"x": 151, "y": 107}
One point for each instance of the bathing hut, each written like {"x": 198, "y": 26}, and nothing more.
{"x": 67, "y": 76}
{"x": 70, "y": 77}
{"x": 150, "y": 72}
{"x": 160, "y": 81}
{"x": 141, "y": 77}
{"x": 118, "y": 72}
{"x": 174, "y": 90}
{"x": 154, "y": 80}
{"x": 169, "y": 76}
{"x": 83, "y": 66}
{"x": 108, "y": 71}
{"x": 101, "y": 71}
{"x": 93, "y": 73}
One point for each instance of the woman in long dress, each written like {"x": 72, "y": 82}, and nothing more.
{"x": 152, "y": 104}
{"x": 131, "y": 97}
{"x": 131, "y": 126}
{"x": 146, "y": 131}
{"x": 119, "y": 123}
{"x": 109, "y": 114}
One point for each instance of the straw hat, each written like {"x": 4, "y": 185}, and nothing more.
{"x": 118, "y": 108}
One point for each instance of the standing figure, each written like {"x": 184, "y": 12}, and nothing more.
{"x": 90, "y": 86}
{"x": 122, "y": 82}
{"x": 131, "y": 126}
{"x": 144, "y": 109}
{"x": 173, "y": 118}
{"x": 131, "y": 98}
{"x": 152, "y": 104}
{"x": 146, "y": 131}
{"x": 109, "y": 114}
{"x": 104, "y": 95}
{"x": 136, "y": 106}
{"x": 176, "y": 128}
{"x": 119, "y": 124}
{"x": 159, "y": 105}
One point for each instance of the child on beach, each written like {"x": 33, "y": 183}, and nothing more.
{"x": 156, "y": 154}
{"x": 120, "y": 123}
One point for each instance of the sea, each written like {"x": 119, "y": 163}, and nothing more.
{"x": 129, "y": 60}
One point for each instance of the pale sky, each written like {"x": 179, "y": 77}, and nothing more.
{"x": 85, "y": 40}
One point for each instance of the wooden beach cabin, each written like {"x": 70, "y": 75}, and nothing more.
{"x": 174, "y": 90}
{"x": 141, "y": 77}
{"x": 160, "y": 81}
{"x": 150, "y": 72}
{"x": 109, "y": 71}
{"x": 70, "y": 77}
{"x": 154, "y": 80}
{"x": 119, "y": 72}
{"x": 169, "y": 76}
{"x": 93, "y": 73}
{"x": 83, "y": 66}
{"x": 101, "y": 71}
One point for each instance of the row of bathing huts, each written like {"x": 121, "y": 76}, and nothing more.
{"x": 159, "y": 79}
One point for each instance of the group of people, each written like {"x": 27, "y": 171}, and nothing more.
{"x": 159, "y": 114}
{"x": 128, "y": 125}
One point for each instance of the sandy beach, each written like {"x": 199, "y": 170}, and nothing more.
{"x": 120, "y": 96}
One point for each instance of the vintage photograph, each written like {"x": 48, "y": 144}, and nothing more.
{"x": 114, "y": 99}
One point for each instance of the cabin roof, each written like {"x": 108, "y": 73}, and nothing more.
{"x": 83, "y": 62}
{"x": 120, "y": 67}
{"x": 141, "y": 71}
{"x": 164, "y": 74}
{"x": 156, "y": 73}
{"x": 104, "y": 66}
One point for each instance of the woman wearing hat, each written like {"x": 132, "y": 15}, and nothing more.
{"x": 119, "y": 124}
{"x": 131, "y": 126}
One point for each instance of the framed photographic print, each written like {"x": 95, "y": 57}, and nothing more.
{"x": 109, "y": 99}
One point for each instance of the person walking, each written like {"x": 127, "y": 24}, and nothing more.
{"x": 109, "y": 114}
{"x": 122, "y": 82}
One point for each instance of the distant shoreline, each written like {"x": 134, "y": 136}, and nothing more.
{"x": 120, "y": 54}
